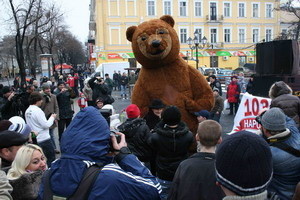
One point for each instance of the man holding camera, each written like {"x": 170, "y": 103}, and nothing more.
{"x": 98, "y": 87}
{"x": 85, "y": 143}
{"x": 7, "y": 107}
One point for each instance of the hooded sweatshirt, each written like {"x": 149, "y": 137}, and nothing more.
{"x": 85, "y": 142}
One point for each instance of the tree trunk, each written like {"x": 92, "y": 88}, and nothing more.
{"x": 20, "y": 58}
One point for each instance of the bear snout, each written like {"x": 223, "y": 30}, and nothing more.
{"x": 155, "y": 43}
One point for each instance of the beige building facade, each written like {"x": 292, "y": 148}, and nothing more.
{"x": 231, "y": 27}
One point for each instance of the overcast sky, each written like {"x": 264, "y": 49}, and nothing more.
{"x": 76, "y": 15}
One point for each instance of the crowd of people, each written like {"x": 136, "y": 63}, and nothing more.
{"x": 142, "y": 157}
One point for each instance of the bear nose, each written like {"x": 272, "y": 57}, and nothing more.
{"x": 155, "y": 43}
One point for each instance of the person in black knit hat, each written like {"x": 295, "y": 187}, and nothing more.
{"x": 171, "y": 141}
{"x": 154, "y": 114}
{"x": 244, "y": 166}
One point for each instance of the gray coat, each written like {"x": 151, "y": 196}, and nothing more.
{"x": 50, "y": 105}
{"x": 5, "y": 187}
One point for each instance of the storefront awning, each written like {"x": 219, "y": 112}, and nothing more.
{"x": 223, "y": 53}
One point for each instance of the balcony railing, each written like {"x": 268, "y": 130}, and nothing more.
{"x": 215, "y": 18}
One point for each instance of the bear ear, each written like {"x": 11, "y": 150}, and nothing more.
{"x": 129, "y": 33}
{"x": 169, "y": 19}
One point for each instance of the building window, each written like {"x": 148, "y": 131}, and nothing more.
{"x": 213, "y": 11}
{"x": 198, "y": 9}
{"x": 167, "y": 7}
{"x": 227, "y": 9}
{"x": 183, "y": 35}
{"x": 182, "y": 8}
{"x": 199, "y": 30}
{"x": 213, "y": 35}
{"x": 241, "y": 35}
{"x": 241, "y": 9}
{"x": 255, "y": 10}
{"x": 227, "y": 35}
{"x": 255, "y": 35}
{"x": 268, "y": 35}
{"x": 151, "y": 8}
{"x": 268, "y": 10}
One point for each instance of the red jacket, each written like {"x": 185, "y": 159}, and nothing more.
{"x": 233, "y": 92}
{"x": 71, "y": 81}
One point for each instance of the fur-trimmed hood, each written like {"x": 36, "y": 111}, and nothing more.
{"x": 27, "y": 186}
{"x": 279, "y": 88}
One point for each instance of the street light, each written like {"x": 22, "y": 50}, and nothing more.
{"x": 197, "y": 40}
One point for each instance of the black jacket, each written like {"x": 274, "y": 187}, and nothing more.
{"x": 10, "y": 108}
{"x": 124, "y": 80}
{"x": 195, "y": 179}
{"x": 99, "y": 90}
{"x": 171, "y": 146}
{"x": 64, "y": 104}
{"x": 137, "y": 134}
{"x": 151, "y": 119}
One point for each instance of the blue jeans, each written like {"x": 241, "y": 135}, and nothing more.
{"x": 51, "y": 133}
{"x": 123, "y": 90}
{"x": 48, "y": 150}
{"x": 165, "y": 187}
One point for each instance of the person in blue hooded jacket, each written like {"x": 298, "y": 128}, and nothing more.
{"x": 85, "y": 142}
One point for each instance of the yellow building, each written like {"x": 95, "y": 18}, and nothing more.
{"x": 232, "y": 27}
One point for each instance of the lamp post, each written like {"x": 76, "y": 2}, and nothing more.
{"x": 197, "y": 44}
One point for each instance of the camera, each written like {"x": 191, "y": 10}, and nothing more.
{"x": 113, "y": 133}
{"x": 106, "y": 113}
{"x": 118, "y": 137}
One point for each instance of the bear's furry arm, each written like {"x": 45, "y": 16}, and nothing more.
{"x": 140, "y": 98}
{"x": 202, "y": 95}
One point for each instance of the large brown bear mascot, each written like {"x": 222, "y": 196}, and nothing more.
{"x": 164, "y": 74}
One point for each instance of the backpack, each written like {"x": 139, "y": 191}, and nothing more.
{"x": 84, "y": 187}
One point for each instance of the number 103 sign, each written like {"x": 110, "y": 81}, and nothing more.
{"x": 249, "y": 108}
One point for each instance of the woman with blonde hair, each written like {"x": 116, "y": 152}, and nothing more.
{"x": 26, "y": 172}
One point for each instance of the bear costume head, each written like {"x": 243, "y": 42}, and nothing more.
{"x": 154, "y": 42}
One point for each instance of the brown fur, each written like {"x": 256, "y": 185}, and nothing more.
{"x": 165, "y": 75}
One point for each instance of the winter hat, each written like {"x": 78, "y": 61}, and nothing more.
{"x": 11, "y": 138}
{"x": 61, "y": 82}
{"x": 4, "y": 125}
{"x": 234, "y": 77}
{"x": 20, "y": 128}
{"x": 19, "y": 125}
{"x": 6, "y": 89}
{"x": 216, "y": 89}
{"x": 202, "y": 113}
{"x": 45, "y": 86}
{"x": 133, "y": 111}
{"x": 17, "y": 119}
{"x": 274, "y": 120}
{"x": 244, "y": 163}
{"x": 171, "y": 116}
{"x": 157, "y": 104}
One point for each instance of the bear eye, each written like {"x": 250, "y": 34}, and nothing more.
{"x": 161, "y": 32}
{"x": 144, "y": 38}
